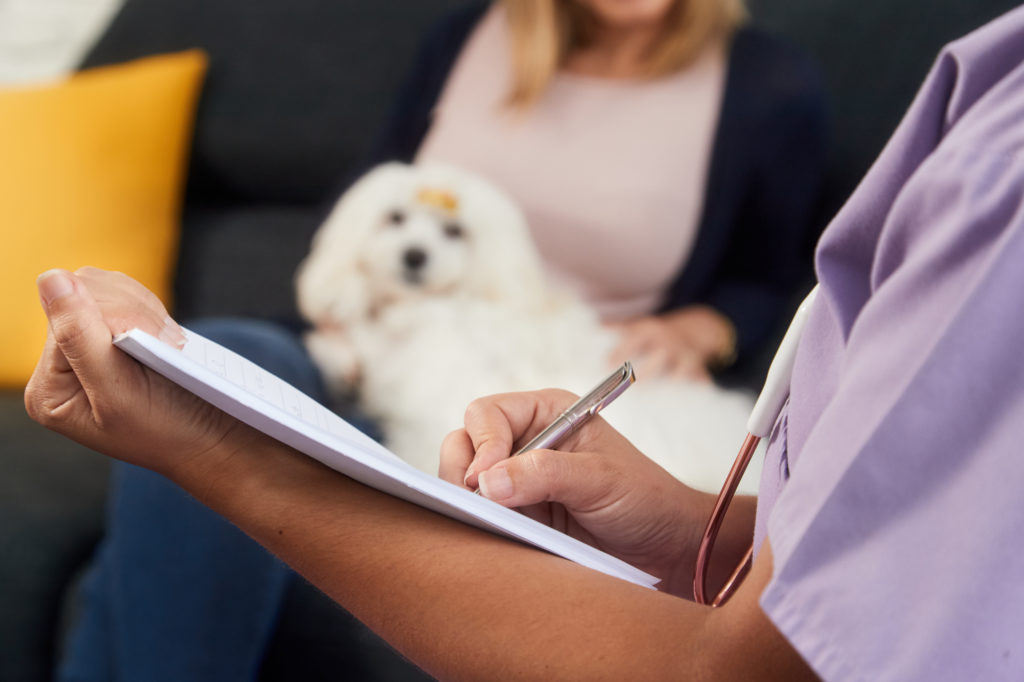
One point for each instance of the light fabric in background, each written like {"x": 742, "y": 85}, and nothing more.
{"x": 43, "y": 40}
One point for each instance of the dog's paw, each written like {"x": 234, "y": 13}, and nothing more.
{"x": 338, "y": 362}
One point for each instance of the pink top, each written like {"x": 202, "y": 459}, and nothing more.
{"x": 609, "y": 172}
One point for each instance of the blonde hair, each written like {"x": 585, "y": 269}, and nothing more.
{"x": 544, "y": 32}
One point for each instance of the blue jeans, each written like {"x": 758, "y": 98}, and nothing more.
{"x": 176, "y": 593}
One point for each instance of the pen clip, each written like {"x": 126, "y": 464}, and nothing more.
{"x": 582, "y": 410}
{"x": 604, "y": 394}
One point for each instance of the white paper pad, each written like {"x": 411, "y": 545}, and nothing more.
{"x": 262, "y": 400}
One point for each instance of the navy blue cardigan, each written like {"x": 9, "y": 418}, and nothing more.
{"x": 763, "y": 183}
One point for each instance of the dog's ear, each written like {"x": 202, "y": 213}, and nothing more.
{"x": 506, "y": 266}
{"x": 331, "y": 287}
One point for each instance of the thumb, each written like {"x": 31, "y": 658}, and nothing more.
{"x": 77, "y": 327}
{"x": 579, "y": 480}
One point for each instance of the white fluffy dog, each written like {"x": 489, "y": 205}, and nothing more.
{"x": 425, "y": 291}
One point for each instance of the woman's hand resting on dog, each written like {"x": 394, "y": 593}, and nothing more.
{"x": 684, "y": 344}
{"x": 88, "y": 390}
{"x": 597, "y": 487}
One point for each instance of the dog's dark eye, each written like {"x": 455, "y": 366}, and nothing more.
{"x": 396, "y": 217}
{"x": 454, "y": 231}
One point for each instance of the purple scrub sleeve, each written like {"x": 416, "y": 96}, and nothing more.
{"x": 892, "y": 493}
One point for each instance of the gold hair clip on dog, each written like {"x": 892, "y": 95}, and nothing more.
{"x": 438, "y": 198}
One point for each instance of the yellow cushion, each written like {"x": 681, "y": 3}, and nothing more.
{"x": 91, "y": 173}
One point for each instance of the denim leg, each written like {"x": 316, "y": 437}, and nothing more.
{"x": 88, "y": 654}
{"x": 281, "y": 351}
{"x": 175, "y": 591}
{"x": 269, "y": 346}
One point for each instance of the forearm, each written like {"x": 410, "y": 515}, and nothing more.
{"x": 460, "y": 602}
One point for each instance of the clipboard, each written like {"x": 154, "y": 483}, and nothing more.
{"x": 266, "y": 402}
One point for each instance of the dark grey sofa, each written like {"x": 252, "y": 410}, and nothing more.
{"x": 294, "y": 93}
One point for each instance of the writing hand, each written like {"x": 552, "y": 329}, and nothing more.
{"x": 597, "y": 487}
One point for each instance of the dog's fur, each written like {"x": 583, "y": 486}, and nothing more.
{"x": 425, "y": 291}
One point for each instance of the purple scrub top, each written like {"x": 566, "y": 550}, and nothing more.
{"x": 893, "y": 488}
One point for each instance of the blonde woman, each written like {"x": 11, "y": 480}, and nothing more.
{"x": 679, "y": 144}
{"x": 667, "y": 157}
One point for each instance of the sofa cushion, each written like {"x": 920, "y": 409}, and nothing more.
{"x": 296, "y": 87}
{"x": 92, "y": 174}
{"x": 241, "y": 260}
{"x": 51, "y": 515}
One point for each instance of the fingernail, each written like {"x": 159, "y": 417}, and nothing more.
{"x": 469, "y": 472}
{"x": 54, "y": 285}
{"x": 172, "y": 333}
{"x": 496, "y": 484}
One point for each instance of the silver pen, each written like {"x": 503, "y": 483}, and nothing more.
{"x": 582, "y": 410}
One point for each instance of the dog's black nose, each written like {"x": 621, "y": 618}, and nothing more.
{"x": 414, "y": 258}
